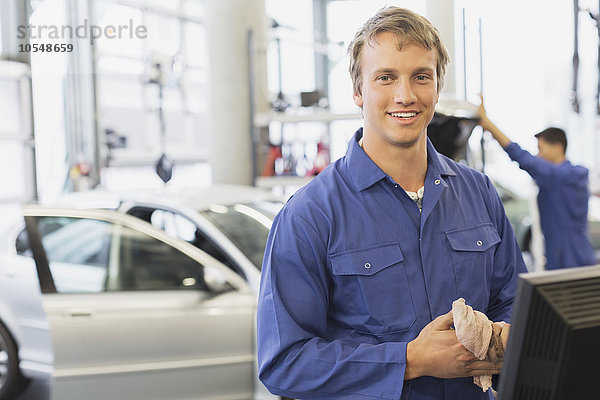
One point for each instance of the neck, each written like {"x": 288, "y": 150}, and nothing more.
{"x": 556, "y": 158}
{"x": 406, "y": 165}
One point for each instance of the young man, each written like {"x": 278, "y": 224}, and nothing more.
{"x": 363, "y": 263}
{"x": 562, "y": 198}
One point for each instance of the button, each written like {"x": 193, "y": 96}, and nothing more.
{"x": 479, "y": 243}
{"x": 437, "y": 182}
{"x": 395, "y": 186}
{"x": 367, "y": 265}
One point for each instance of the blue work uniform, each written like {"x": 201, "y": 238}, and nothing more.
{"x": 353, "y": 271}
{"x": 563, "y": 205}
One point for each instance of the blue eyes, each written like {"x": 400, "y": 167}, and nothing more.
{"x": 388, "y": 78}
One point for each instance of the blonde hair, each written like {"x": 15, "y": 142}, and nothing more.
{"x": 409, "y": 28}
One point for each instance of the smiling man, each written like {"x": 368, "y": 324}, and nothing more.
{"x": 362, "y": 264}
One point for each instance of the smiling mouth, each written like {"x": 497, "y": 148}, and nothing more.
{"x": 403, "y": 115}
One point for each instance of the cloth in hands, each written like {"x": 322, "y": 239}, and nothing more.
{"x": 479, "y": 335}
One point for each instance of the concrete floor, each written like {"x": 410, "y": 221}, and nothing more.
{"x": 36, "y": 390}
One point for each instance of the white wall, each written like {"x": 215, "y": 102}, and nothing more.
{"x": 527, "y": 73}
{"x": 527, "y": 49}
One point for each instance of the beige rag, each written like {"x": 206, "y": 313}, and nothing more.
{"x": 476, "y": 332}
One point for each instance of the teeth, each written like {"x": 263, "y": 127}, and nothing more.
{"x": 403, "y": 115}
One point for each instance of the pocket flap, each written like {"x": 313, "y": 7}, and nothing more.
{"x": 473, "y": 238}
{"x": 366, "y": 261}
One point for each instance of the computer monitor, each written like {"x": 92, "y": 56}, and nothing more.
{"x": 553, "y": 349}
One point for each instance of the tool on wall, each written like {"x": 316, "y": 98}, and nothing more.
{"x": 574, "y": 98}
{"x": 163, "y": 72}
{"x": 596, "y": 18}
{"x": 280, "y": 103}
{"x": 482, "y": 143}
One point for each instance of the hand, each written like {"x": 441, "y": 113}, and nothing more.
{"x": 483, "y": 118}
{"x": 437, "y": 352}
{"x": 489, "y": 126}
{"x": 501, "y": 329}
{"x": 504, "y": 335}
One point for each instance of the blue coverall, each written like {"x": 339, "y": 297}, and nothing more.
{"x": 353, "y": 271}
{"x": 563, "y": 204}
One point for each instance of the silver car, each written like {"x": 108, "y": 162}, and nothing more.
{"x": 229, "y": 222}
{"x": 105, "y": 306}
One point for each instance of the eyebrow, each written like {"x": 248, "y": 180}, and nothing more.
{"x": 425, "y": 69}
{"x": 385, "y": 71}
{"x": 418, "y": 70}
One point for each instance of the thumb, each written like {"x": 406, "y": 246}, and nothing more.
{"x": 443, "y": 322}
{"x": 504, "y": 335}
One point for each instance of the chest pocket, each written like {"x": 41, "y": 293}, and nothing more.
{"x": 473, "y": 260}
{"x": 371, "y": 292}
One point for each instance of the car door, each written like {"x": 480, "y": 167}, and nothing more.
{"x": 235, "y": 234}
{"x": 136, "y": 314}
{"x": 184, "y": 224}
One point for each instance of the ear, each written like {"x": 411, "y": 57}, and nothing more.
{"x": 358, "y": 99}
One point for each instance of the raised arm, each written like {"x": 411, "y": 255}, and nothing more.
{"x": 542, "y": 171}
{"x": 489, "y": 126}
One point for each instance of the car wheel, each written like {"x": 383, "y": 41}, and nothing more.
{"x": 11, "y": 379}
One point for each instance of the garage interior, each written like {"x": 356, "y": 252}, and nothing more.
{"x": 105, "y": 113}
{"x": 187, "y": 94}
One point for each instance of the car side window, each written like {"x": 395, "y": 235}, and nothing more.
{"x": 87, "y": 255}
{"x": 78, "y": 252}
{"x": 146, "y": 263}
{"x": 180, "y": 227}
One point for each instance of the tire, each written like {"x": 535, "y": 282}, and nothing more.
{"x": 527, "y": 241}
{"x": 12, "y": 381}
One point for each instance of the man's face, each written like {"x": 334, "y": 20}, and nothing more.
{"x": 399, "y": 91}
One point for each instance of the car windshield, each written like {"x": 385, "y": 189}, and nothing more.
{"x": 246, "y": 225}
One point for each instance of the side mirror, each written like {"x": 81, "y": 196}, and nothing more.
{"x": 215, "y": 280}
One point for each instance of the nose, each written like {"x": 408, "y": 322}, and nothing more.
{"x": 404, "y": 93}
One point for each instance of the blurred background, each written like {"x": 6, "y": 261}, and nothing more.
{"x": 235, "y": 91}
{"x": 187, "y": 124}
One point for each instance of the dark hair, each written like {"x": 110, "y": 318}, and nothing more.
{"x": 409, "y": 28}
{"x": 554, "y": 135}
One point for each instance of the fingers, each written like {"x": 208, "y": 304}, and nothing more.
{"x": 476, "y": 368}
{"x": 481, "y": 98}
{"x": 481, "y": 110}
{"x": 504, "y": 335}
{"x": 496, "y": 328}
{"x": 467, "y": 357}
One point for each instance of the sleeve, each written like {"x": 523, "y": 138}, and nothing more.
{"x": 295, "y": 358}
{"x": 508, "y": 262}
{"x": 542, "y": 171}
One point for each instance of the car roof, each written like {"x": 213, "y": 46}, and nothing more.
{"x": 195, "y": 198}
